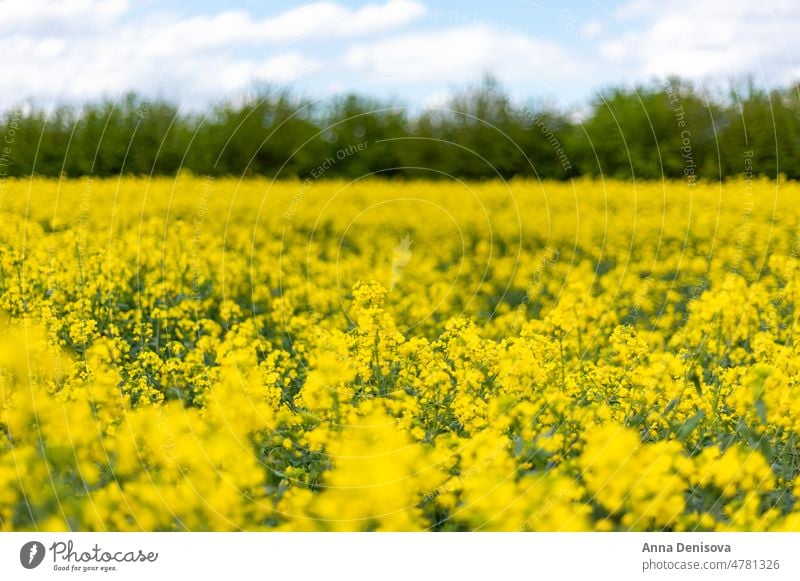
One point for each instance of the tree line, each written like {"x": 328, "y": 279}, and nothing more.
{"x": 668, "y": 128}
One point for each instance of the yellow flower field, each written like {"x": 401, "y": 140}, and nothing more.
{"x": 199, "y": 354}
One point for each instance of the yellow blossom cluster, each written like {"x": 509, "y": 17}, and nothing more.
{"x": 220, "y": 354}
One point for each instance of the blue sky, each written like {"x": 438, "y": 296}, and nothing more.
{"x": 414, "y": 52}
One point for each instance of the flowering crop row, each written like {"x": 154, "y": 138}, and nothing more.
{"x": 198, "y": 354}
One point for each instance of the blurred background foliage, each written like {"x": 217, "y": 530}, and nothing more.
{"x": 668, "y": 128}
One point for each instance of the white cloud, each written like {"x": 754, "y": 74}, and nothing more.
{"x": 375, "y": 18}
{"x": 285, "y": 67}
{"x": 591, "y": 29}
{"x": 635, "y": 8}
{"x": 437, "y": 100}
{"x": 199, "y": 33}
{"x": 331, "y": 19}
{"x": 316, "y": 21}
{"x": 49, "y": 48}
{"x": 705, "y": 38}
{"x": 33, "y": 13}
{"x": 459, "y": 54}
{"x": 55, "y": 50}
{"x": 71, "y": 50}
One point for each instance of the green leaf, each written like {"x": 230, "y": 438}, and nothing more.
{"x": 689, "y": 425}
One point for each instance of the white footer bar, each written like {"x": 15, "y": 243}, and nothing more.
{"x": 400, "y": 556}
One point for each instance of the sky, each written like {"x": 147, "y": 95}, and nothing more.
{"x": 412, "y": 52}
